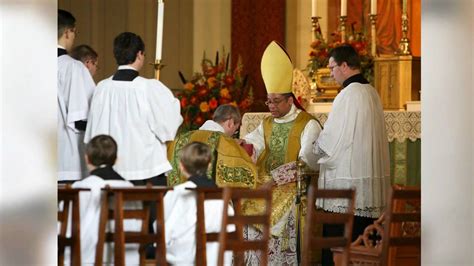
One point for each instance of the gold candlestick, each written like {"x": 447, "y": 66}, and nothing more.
{"x": 315, "y": 27}
{"x": 373, "y": 32}
{"x": 404, "y": 46}
{"x": 342, "y": 27}
{"x": 158, "y": 66}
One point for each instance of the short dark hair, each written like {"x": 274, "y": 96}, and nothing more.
{"x": 195, "y": 158}
{"x": 102, "y": 149}
{"x": 83, "y": 53}
{"x": 345, "y": 53}
{"x": 126, "y": 47}
{"x": 65, "y": 21}
{"x": 225, "y": 112}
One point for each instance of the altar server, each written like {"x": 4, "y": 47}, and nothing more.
{"x": 140, "y": 114}
{"x": 101, "y": 154}
{"x": 180, "y": 210}
{"x": 87, "y": 56}
{"x": 75, "y": 88}
{"x": 354, "y": 145}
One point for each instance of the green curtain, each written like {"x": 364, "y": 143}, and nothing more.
{"x": 405, "y": 162}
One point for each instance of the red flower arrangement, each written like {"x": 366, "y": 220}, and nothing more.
{"x": 217, "y": 84}
{"x": 318, "y": 55}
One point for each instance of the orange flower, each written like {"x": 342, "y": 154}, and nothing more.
{"x": 204, "y": 107}
{"x": 225, "y": 93}
{"x": 233, "y": 103}
{"x": 188, "y": 86}
{"x": 213, "y": 103}
{"x": 315, "y": 44}
{"x": 211, "y": 82}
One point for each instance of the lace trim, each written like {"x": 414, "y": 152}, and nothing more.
{"x": 370, "y": 199}
{"x": 400, "y": 125}
{"x": 370, "y": 212}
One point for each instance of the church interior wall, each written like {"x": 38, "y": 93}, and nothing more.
{"x": 28, "y": 119}
{"x": 447, "y": 145}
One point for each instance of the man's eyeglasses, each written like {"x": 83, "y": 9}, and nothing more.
{"x": 332, "y": 67}
{"x": 274, "y": 102}
{"x": 74, "y": 30}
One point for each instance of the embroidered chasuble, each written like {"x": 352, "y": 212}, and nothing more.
{"x": 282, "y": 145}
{"x": 230, "y": 164}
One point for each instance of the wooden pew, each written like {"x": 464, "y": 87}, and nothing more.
{"x": 203, "y": 194}
{"x": 400, "y": 224}
{"x": 314, "y": 217}
{"x": 234, "y": 241}
{"x": 69, "y": 196}
{"x": 118, "y": 214}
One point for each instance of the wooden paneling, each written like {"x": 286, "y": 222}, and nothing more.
{"x": 99, "y": 22}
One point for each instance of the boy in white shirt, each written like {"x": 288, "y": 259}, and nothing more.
{"x": 180, "y": 209}
{"x": 101, "y": 154}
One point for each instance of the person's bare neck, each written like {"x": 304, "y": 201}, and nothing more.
{"x": 62, "y": 42}
{"x": 352, "y": 72}
{"x": 136, "y": 65}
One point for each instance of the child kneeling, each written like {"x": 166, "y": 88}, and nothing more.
{"x": 180, "y": 209}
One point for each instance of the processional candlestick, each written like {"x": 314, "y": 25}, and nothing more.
{"x": 342, "y": 27}
{"x": 373, "y": 37}
{"x": 159, "y": 39}
{"x": 315, "y": 27}
{"x": 404, "y": 46}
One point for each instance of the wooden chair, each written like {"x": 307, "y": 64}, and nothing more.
{"x": 203, "y": 194}
{"x": 314, "y": 217}
{"x": 402, "y": 227}
{"x": 235, "y": 241}
{"x": 118, "y": 214}
{"x": 365, "y": 250}
{"x": 368, "y": 248}
{"x": 69, "y": 196}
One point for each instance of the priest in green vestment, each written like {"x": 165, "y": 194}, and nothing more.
{"x": 279, "y": 142}
{"x": 230, "y": 164}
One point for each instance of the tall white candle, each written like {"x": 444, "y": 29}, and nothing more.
{"x": 313, "y": 8}
{"x": 159, "y": 30}
{"x": 343, "y": 8}
{"x": 373, "y": 7}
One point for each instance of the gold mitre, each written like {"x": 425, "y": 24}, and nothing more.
{"x": 277, "y": 69}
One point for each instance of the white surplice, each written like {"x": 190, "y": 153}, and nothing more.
{"x": 180, "y": 226}
{"x": 212, "y": 125}
{"x": 75, "y": 88}
{"x": 354, "y": 146}
{"x": 308, "y": 138}
{"x": 90, "y": 203}
{"x": 141, "y": 115}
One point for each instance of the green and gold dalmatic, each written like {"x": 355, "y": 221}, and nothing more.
{"x": 230, "y": 164}
{"x": 277, "y": 152}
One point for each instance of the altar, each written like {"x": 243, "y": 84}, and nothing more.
{"x": 404, "y": 136}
